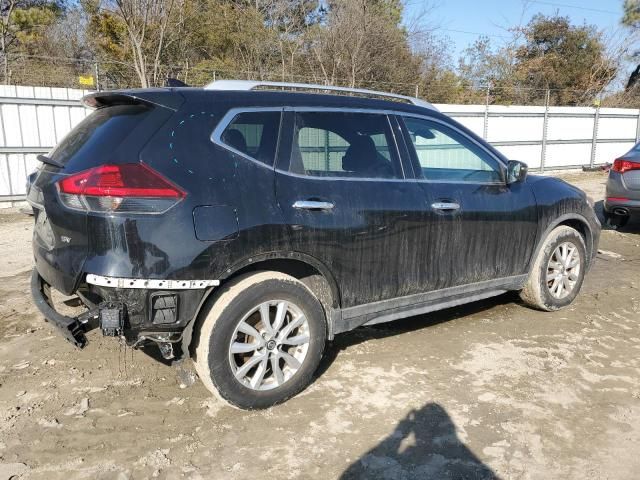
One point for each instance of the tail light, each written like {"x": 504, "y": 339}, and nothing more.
{"x": 126, "y": 188}
{"x": 617, "y": 199}
{"x": 621, "y": 165}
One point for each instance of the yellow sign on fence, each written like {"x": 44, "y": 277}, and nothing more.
{"x": 86, "y": 80}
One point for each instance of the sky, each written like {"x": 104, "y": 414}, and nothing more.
{"x": 462, "y": 21}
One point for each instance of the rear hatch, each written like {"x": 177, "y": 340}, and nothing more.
{"x": 114, "y": 134}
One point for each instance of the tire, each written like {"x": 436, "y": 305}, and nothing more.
{"x": 543, "y": 293}
{"x": 235, "y": 316}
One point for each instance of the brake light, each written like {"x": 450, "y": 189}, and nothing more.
{"x": 126, "y": 188}
{"x": 617, "y": 199}
{"x": 621, "y": 165}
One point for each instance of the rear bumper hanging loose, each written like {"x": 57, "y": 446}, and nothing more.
{"x": 71, "y": 328}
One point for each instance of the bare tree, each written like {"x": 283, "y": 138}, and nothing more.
{"x": 362, "y": 43}
{"x": 147, "y": 23}
{"x": 22, "y": 24}
{"x": 5, "y": 33}
{"x": 288, "y": 20}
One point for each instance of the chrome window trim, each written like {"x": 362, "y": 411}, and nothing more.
{"x": 216, "y": 135}
{"x": 230, "y": 115}
{"x": 351, "y": 179}
{"x": 465, "y": 182}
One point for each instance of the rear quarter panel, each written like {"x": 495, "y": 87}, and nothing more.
{"x": 240, "y": 192}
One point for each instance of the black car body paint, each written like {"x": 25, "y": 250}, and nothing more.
{"x": 381, "y": 250}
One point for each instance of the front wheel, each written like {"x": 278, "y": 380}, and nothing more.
{"x": 261, "y": 340}
{"x": 558, "y": 271}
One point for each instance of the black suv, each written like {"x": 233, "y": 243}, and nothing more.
{"x": 245, "y": 227}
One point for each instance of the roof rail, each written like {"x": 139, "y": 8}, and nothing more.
{"x": 253, "y": 84}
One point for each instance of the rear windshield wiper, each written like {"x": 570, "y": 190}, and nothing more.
{"x": 49, "y": 161}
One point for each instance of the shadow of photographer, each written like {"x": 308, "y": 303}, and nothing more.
{"x": 424, "y": 445}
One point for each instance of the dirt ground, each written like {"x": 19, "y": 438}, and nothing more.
{"x": 488, "y": 390}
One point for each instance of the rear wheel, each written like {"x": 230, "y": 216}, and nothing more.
{"x": 558, "y": 271}
{"x": 261, "y": 340}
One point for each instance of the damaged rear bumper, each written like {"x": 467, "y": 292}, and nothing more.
{"x": 71, "y": 328}
{"x": 140, "y": 311}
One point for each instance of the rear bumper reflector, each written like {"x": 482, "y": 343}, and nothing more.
{"x": 116, "y": 282}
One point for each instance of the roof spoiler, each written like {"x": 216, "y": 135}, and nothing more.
{"x": 160, "y": 97}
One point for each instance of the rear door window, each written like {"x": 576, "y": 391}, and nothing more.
{"x": 343, "y": 144}
{"x": 254, "y": 135}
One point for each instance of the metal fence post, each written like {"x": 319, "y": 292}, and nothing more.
{"x": 97, "y": 70}
{"x": 545, "y": 125}
{"x": 485, "y": 129}
{"x": 594, "y": 139}
{"x": 638, "y": 128}
{"x": 416, "y": 95}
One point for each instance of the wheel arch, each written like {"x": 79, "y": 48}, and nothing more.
{"x": 573, "y": 220}
{"x": 311, "y": 272}
{"x": 299, "y": 265}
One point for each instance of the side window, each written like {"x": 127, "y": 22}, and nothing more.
{"x": 254, "y": 134}
{"x": 446, "y": 155}
{"x": 343, "y": 144}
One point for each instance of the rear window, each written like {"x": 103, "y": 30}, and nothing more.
{"x": 100, "y": 132}
{"x": 254, "y": 134}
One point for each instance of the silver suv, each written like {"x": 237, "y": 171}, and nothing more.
{"x": 623, "y": 188}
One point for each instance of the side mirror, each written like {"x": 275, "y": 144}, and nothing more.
{"x": 516, "y": 171}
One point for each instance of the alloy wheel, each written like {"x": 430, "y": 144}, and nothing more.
{"x": 269, "y": 345}
{"x": 563, "y": 270}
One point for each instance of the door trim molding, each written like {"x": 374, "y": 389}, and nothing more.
{"x": 402, "y": 307}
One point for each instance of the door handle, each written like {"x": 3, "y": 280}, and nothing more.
{"x": 445, "y": 206}
{"x": 313, "y": 205}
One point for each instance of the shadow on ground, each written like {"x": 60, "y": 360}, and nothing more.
{"x": 423, "y": 445}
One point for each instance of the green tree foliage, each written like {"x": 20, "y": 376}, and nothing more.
{"x": 566, "y": 59}
{"x": 570, "y": 62}
{"x": 229, "y": 39}
{"x": 23, "y": 24}
{"x": 488, "y": 70}
{"x": 631, "y": 15}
